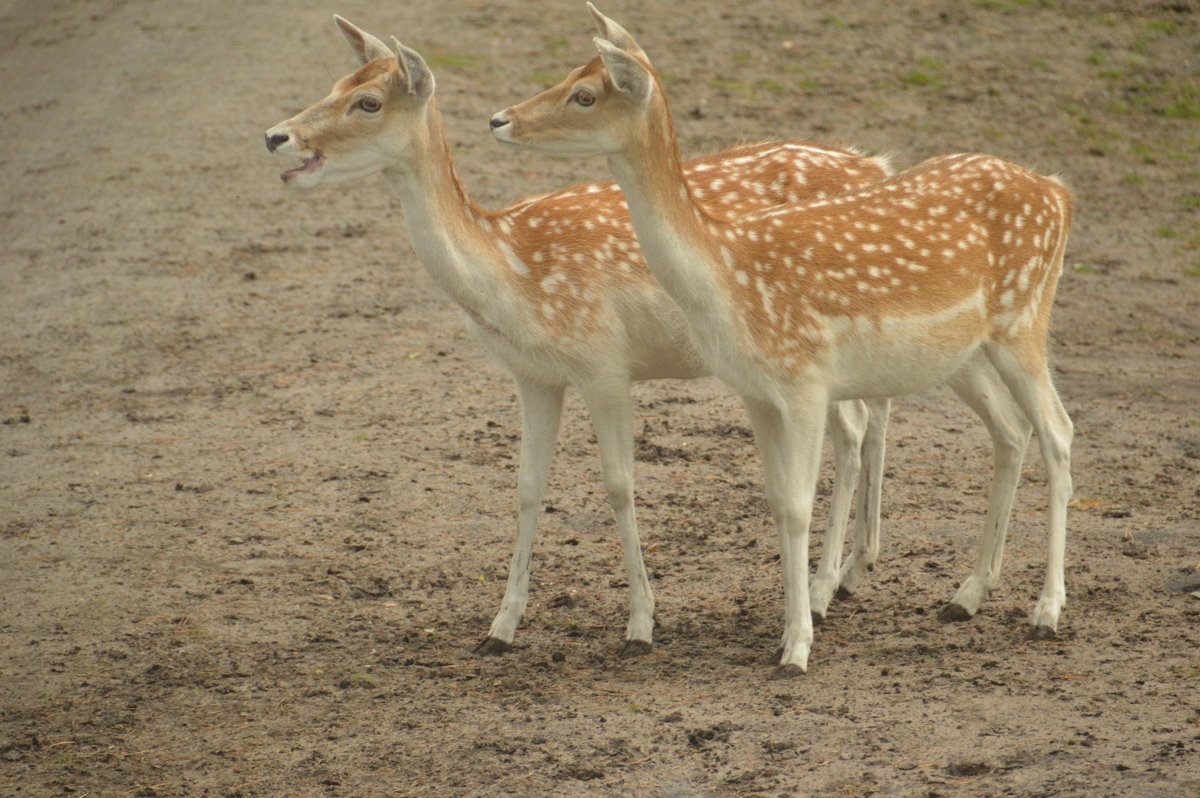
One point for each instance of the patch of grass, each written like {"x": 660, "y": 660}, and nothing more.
{"x": 557, "y": 46}
{"x": 544, "y": 77}
{"x": 465, "y": 62}
{"x": 741, "y": 58}
{"x": 834, "y": 21}
{"x": 1145, "y": 152}
{"x": 1147, "y": 332}
{"x": 729, "y": 86}
{"x": 1173, "y": 100}
{"x": 1163, "y": 26}
{"x": 1013, "y": 5}
{"x": 1039, "y": 63}
{"x": 1096, "y": 58}
{"x": 923, "y": 78}
{"x": 1077, "y": 111}
{"x": 1193, "y": 270}
{"x": 1132, "y": 179}
{"x": 1184, "y": 102}
{"x": 771, "y": 85}
{"x": 1084, "y": 268}
{"x": 1191, "y": 201}
{"x": 1166, "y": 231}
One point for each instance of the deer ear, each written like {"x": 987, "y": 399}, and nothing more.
{"x": 614, "y": 33}
{"x": 415, "y": 70}
{"x": 628, "y": 74}
{"x": 365, "y": 46}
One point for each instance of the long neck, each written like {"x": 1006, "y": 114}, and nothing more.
{"x": 448, "y": 231}
{"x": 675, "y": 234}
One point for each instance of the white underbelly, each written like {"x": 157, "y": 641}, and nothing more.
{"x": 905, "y": 355}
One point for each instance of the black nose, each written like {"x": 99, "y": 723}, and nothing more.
{"x": 276, "y": 140}
{"x": 497, "y": 121}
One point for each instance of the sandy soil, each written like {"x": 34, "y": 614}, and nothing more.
{"x": 257, "y": 485}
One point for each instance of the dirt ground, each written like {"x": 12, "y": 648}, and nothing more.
{"x": 257, "y": 485}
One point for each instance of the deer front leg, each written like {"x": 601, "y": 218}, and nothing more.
{"x": 541, "y": 410}
{"x": 789, "y": 440}
{"x": 611, "y": 407}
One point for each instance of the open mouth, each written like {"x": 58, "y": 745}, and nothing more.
{"x": 311, "y": 165}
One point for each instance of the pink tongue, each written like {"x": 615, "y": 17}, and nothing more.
{"x": 307, "y": 166}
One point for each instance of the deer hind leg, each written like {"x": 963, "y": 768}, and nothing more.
{"x": 981, "y": 388}
{"x": 1027, "y": 375}
{"x": 847, "y": 422}
{"x": 541, "y": 410}
{"x": 789, "y": 439}
{"x": 611, "y": 408}
{"x": 865, "y": 549}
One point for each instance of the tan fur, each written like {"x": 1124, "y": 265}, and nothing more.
{"x": 557, "y": 289}
{"x": 944, "y": 273}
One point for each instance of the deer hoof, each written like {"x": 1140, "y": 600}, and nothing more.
{"x": 954, "y": 613}
{"x": 492, "y": 647}
{"x": 790, "y": 671}
{"x": 631, "y": 649}
{"x": 1042, "y": 632}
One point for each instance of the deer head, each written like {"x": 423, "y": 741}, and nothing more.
{"x": 596, "y": 109}
{"x": 367, "y": 122}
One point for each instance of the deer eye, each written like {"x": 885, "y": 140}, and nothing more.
{"x": 584, "y": 98}
{"x": 370, "y": 104}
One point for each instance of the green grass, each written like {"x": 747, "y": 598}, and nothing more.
{"x": 729, "y": 86}
{"x": 544, "y": 77}
{"x": 1173, "y": 100}
{"x": 1183, "y": 102}
{"x": 557, "y": 46}
{"x": 457, "y": 61}
{"x": 927, "y": 74}
{"x": 1163, "y": 26}
{"x": 1013, "y": 5}
{"x": 1145, "y": 152}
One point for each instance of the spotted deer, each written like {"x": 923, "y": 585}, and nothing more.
{"x": 557, "y": 290}
{"x": 924, "y": 278}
